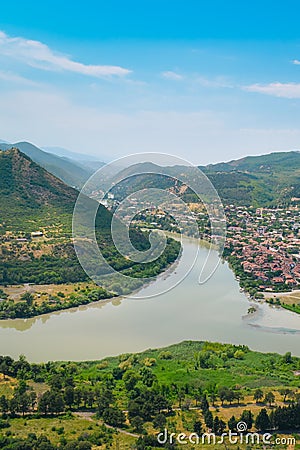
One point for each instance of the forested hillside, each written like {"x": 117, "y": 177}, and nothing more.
{"x": 36, "y": 211}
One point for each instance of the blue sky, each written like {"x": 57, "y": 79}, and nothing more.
{"x": 208, "y": 81}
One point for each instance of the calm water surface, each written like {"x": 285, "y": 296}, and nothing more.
{"x": 214, "y": 311}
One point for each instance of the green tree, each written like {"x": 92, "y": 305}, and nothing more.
{"x": 27, "y": 298}
{"x": 208, "y": 419}
{"x": 137, "y": 423}
{"x": 4, "y": 406}
{"x": 285, "y": 392}
{"x": 262, "y": 421}
{"x": 287, "y": 358}
{"x": 197, "y": 427}
{"x": 269, "y": 398}
{"x": 258, "y": 395}
{"x": 69, "y": 396}
{"x": 232, "y": 422}
{"x": 114, "y": 416}
{"x": 159, "y": 421}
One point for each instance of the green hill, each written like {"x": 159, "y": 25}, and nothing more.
{"x": 267, "y": 180}
{"x": 190, "y": 389}
{"x": 33, "y": 200}
{"x": 30, "y": 196}
{"x": 270, "y": 163}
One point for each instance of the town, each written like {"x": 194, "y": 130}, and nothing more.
{"x": 262, "y": 244}
{"x": 265, "y": 242}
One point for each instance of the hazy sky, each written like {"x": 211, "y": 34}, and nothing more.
{"x": 204, "y": 80}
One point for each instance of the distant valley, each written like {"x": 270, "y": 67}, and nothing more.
{"x": 266, "y": 180}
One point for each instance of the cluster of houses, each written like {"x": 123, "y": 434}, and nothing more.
{"x": 267, "y": 243}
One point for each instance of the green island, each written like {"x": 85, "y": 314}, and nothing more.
{"x": 124, "y": 402}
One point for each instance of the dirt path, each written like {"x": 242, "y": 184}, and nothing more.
{"x": 89, "y": 416}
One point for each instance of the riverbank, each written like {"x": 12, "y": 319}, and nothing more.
{"x": 288, "y": 300}
{"x": 292, "y": 297}
{"x": 211, "y": 311}
{"x": 29, "y": 300}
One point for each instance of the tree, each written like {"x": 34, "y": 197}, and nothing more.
{"x": 204, "y": 403}
{"x": 218, "y": 425}
{"x": 287, "y": 358}
{"x": 197, "y": 427}
{"x": 262, "y": 421}
{"x": 13, "y": 406}
{"x": 104, "y": 398}
{"x": 208, "y": 419}
{"x": 51, "y": 402}
{"x": 137, "y": 423}
{"x": 258, "y": 395}
{"x": 238, "y": 396}
{"x": 4, "y": 407}
{"x": 230, "y": 396}
{"x": 117, "y": 373}
{"x": 23, "y": 402}
{"x": 285, "y": 392}
{"x": 4, "y": 369}
{"x": 69, "y": 396}
{"x": 247, "y": 417}
{"x": 28, "y": 298}
{"x": 21, "y": 367}
{"x": 56, "y": 382}
{"x": 148, "y": 376}
{"x": 114, "y": 416}
{"x": 269, "y": 398}
{"x": 232, "y": 422}
{"x": 239, "y": 354}
{"x": 223, "y": 394}
{"x": 213, "y": 398}
{"x": 22, "y": 387}
{"x": 159, "y": 421}
{"x": 130, "y": 379}
{"x": 77, "y": 396}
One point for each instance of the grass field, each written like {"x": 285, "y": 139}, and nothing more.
{"x": 41, "y": 292}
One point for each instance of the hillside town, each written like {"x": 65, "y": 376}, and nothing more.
{"x": 266, "y": 244}
{"x": 262, "y": 244}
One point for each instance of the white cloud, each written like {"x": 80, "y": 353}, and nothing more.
{"x": 170, "y": 75}
{"x": 37, "y": 54}
{"x": 285, "y": 90}
{"x": 296, "y": 62}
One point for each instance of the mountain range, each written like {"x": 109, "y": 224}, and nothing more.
{"x": 73, "y": 172}
{"x": 267, "y": 180}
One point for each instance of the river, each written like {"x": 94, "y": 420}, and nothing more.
{"x": 215, "y": 311}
